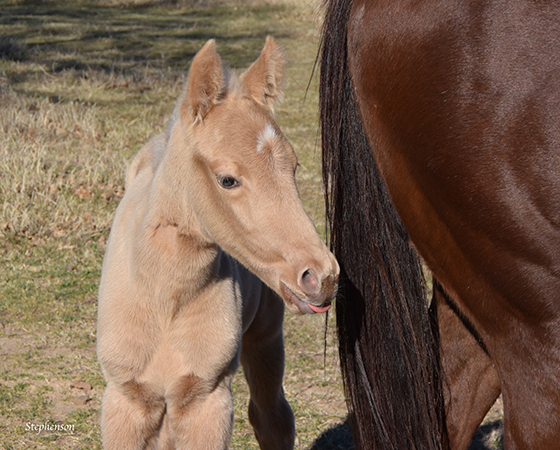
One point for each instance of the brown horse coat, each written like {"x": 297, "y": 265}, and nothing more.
{"x": 459, "y": 102}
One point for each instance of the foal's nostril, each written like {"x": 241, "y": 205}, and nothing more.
{"x": 309, "y": 282}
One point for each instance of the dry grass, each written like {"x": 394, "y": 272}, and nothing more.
{"x": 82, "y": 87}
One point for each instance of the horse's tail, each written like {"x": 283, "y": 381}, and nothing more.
{"x": 389, "y": 344}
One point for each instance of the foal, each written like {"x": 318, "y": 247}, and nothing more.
{"x": 177, "y": 312}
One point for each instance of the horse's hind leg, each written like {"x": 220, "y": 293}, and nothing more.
{"x": 262, "y": 357}
{"x": 472, "y": 381}
{"x": 128, "y": 424}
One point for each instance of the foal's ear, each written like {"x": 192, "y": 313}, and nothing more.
{"x": 204, "y": 84}
{"x": 263, "y": 78}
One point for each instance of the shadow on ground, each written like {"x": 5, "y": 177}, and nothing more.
{"x": 339, "y": 437}
{"x": 93, "y": 35}
{"x": 489, "y": 437}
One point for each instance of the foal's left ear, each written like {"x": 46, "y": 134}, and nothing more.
{"x": 263, "y": 78}
{"x": 204, "y": 84}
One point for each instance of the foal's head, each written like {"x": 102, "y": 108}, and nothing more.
{"x": 238, "y": 175}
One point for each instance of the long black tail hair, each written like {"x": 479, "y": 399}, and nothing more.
{"x": 389, "y": 343}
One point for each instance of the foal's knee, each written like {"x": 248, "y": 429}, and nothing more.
{"x": 201, "y": 413}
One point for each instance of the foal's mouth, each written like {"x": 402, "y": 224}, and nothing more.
{"x": 303, "y": 306}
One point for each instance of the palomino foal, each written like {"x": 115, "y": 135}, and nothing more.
{"x": 177, "y": 312}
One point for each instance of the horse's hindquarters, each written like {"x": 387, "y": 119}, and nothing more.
{"x": 459, "y": 102}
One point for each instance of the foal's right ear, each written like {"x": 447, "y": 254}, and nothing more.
{"x": 264, "y": 77}
{"x": 204, "y": 84}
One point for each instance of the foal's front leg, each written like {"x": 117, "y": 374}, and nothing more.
{"x": 201, "y": 414}
{"x": 262, "y": 357}
{"x": 130, "y": 418}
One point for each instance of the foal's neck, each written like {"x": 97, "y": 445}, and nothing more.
{"x": 176, "y": 241}
{"x": 180, "y": 262}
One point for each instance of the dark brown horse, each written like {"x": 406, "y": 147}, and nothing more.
{"x": 441, "y": 128}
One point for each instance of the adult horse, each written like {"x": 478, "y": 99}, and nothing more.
{"x": 459, "y": 104}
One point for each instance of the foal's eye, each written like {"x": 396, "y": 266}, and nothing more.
{"x": 227, "y": 182}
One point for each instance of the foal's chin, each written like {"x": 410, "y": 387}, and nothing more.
{"x": 300, "y": 304}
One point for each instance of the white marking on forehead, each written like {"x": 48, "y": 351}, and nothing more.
{"x": 267, "y": 135}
